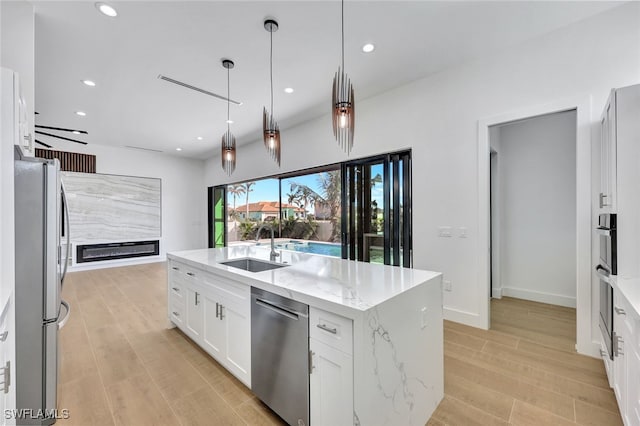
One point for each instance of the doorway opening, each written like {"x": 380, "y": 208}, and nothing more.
{"x": 533, "y": 225}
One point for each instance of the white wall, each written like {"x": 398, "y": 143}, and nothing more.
{"x": 538, "y": 209}
{"x": 184, "y": 195}
{"x": 438, "y": 118}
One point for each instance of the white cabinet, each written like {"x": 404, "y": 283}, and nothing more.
{"x": 214, "y": 313}
{"x": 194, "y": 315}
{"x": 608, "y": 156}
{"x": 626, "y": 362}
{"x": 331, "y": 379}
{"x": 15, "y": 121}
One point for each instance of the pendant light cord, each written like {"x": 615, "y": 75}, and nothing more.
{"x": 342, "y": 35}
{"x": 271, "y": 68}
{"x": 228, "y": 97}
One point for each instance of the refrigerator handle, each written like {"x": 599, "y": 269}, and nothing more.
{"x": 67, "y": 232}
{"x": 64, "y": 319}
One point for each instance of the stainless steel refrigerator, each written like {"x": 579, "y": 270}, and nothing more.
{"x": 40, "y": 271}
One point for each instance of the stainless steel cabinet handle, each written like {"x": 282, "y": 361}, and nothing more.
{"x": 4, "y": 335}
{"x": 217, "y": 309}
{"x": 6, "y": 372}
{"x": 602, "y": 197}
{"x": 311, "y": 366}
{"x": 327, "y": 328}
{"x": 191, "y": 274}
{"x": 221, "y": 312}
{"x": 197, "y": 301}
{"x": 64, "y": 319}
{"x": 619, "y": 311}
{"x": 176, "y": 289}
{"x": 175, "y": 268}
{"x": 618, "y": 345}
{"x": 603, "y": 353}
{"x": 175, "y": 313}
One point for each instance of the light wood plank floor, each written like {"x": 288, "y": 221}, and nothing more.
{"x": 120, "y": 365}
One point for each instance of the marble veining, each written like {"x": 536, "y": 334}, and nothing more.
{"x": 110, "y": 208}
{"x": 393, "y": 383}
{"x": 352, "y": 286}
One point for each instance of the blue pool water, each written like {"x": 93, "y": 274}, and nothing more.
{"x": 326, "y": 249}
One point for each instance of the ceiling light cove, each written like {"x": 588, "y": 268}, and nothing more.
{"x": 89, "y": 83}
{"x": 81, "y": 113}
{"x": 106, "y": 10}
{"x": 368, "y": 48}
{"x": 288, "y": 90}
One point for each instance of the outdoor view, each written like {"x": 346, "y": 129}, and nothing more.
{"x": 304, "y": 211}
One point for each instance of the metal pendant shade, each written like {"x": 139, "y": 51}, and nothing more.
{"x": 270, "y": 129}
{"x": 228, "y": 152}
{"x": 343, "y": 104}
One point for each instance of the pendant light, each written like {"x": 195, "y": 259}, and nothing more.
{"x": 228, "y": 153}
{"x": 270, "y": 130}
{"x": 343, "y": 104}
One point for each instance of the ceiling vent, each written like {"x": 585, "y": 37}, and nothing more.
{"x": 197, "y": 89}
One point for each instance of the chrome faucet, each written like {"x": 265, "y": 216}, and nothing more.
{"x": 274, "y": 253}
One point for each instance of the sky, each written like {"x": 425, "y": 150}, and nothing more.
{"x": 267, "y": 189}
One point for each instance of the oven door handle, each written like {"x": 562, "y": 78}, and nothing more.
{"x": 604, "y": 231}
{"x": 603, "y": 274}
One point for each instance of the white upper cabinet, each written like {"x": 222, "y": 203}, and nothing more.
{"x": 607, "y": 190}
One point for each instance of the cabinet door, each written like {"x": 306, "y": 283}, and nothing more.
{"x": 621, "y": 342}
{"x": 213, "y": 339}
{"x": 608, "y": 155}
{"x": 633, "y": 389}
{"x": 194, "y": 313}
{"x": 237, "y": 321}
{"x": 331, "y": 384}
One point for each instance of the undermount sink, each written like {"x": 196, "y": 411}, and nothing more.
{"x": 252, "y": 265}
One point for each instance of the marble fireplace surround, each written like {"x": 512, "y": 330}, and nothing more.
{"x": 112, "y": 208}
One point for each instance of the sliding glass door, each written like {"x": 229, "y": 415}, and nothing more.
{"x": 376, "y": 218}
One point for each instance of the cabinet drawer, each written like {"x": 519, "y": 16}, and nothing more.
{"x": 332, "y": 329}
{"x": 176, "y": 313}
{"x": 176, "y": 291}
{"x": 235, "y": 293}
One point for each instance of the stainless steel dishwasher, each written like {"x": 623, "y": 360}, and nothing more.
{"x": 280, "y": 355}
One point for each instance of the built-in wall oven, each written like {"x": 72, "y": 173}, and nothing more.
{"x": 607, "y": 267}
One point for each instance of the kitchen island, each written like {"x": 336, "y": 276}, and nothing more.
{"x": 375, "y": 331}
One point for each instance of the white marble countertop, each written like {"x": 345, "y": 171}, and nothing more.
{"x": 630, "y": 289}
{"x": 342, "y": 286}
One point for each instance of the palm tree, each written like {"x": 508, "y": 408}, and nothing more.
{"x": 236, "y": 191}
{"x": 247, "y": 188}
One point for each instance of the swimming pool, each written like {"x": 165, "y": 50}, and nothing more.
{"x": 326, "y": 249}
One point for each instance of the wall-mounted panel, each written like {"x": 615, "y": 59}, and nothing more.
{"x": 106, "y": 208}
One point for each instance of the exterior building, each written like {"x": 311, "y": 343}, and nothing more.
{"x": 269, "y": 210}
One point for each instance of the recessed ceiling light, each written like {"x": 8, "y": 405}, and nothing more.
{"x": 288, "y": 90}
{"x": 81, "y": 113}
{"x": 75, "y": 132}
{"x": 89, "y": 83}
{"x": 107, "y": 10}
{"x": 199, "y": 138}
{"x": 178, "y": 149}
{"x": 229, "y": 121}
{"x": 368, "y": 48}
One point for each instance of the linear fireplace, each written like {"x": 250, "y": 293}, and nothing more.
{"x": 109, "y": 251}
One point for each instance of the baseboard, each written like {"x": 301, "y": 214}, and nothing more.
{"x": 496, "y": 293}
{"x": 591, "y": 349}
{"x": 456, "y": 315}
{"x": 116, "y": 263}
{"x": 536, "y": 296}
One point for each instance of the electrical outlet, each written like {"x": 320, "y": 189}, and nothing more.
{"x": 444, "y": 231}
{"x": 446, "y": 285}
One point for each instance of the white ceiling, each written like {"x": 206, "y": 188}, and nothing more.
{"x": 186, "y": 41}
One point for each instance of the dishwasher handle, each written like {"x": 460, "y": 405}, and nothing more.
{"x": 278, "y": 309}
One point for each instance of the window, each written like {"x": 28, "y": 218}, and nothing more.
{"x": 359, "y": 210}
